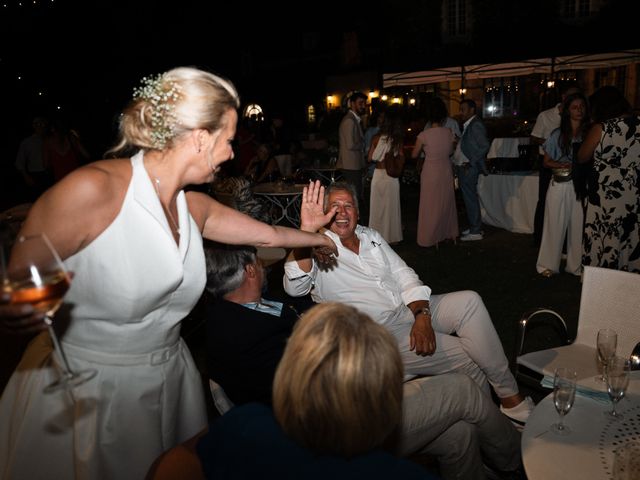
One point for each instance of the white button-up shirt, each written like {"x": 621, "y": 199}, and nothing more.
{"x": 376, "y": 281}
{"x": 459, "y": 158}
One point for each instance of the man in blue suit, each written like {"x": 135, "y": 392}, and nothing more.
{"x": 469, "y": 159}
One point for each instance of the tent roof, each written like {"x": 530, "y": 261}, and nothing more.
{"x": 526, "y": 67}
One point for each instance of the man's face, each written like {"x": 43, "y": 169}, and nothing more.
{"x": 359, "y": 106}
{"x": 346, "y": 219}
{"x": 466, "y": 112}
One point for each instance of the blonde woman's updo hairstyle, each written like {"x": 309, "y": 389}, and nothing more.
{"x": 166, "y": 107}
{"x": 338, "y": 387}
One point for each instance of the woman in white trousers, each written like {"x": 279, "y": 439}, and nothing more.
{"x": 563, "y": 214}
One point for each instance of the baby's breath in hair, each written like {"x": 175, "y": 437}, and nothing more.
{"x": 162, "y": 96}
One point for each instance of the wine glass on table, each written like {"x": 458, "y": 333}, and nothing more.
{"x": 36, "y": 275}
{"x": 607, "y": 341}
{"x": 564, "y": 393}
{"x": 617, "y": 382}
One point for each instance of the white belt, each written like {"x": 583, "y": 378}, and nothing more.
{"x": 155, "y": 357}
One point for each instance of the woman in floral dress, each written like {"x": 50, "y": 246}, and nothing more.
{"x": 612, "y": 223}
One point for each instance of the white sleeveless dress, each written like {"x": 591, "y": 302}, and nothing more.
{"x": 385, "y": 214}
{"x": 132, "y": 287}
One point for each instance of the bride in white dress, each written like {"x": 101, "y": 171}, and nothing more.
{"x": 133, "y": 240}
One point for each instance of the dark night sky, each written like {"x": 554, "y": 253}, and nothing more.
{"x": 88, "y": 54}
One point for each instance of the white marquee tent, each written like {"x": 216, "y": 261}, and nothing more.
{"x": 548, "y": 66}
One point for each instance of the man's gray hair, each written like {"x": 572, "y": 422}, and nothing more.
{"x": 340, "y": 187}
{"x": 225, "y": 267}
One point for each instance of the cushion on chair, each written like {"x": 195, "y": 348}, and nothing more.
{"x": 609, "y": 299}
{"x": 581, "y": 357}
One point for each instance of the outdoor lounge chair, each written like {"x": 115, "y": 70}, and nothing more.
{"x": 609, "y": 299}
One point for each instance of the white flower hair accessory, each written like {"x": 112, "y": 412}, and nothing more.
{"x": 162, "y": 96}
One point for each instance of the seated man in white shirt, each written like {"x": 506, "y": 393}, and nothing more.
{"x": 370, "y": 276}
{"x": 446, "y": 416}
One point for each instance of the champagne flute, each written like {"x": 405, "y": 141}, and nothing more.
{"x": 617, "y": 381}
{"x": 606, "y": 342}
{"x": 564, "y": 393}
{"x": 36, "y": 275}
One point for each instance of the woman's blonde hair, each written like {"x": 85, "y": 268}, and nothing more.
{"x": 170, "y": 105}
{"x": 338, "y": 387}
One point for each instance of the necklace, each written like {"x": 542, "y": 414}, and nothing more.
{"x": 174, "y": 224}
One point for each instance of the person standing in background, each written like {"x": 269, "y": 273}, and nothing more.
{"x": 469, "y": 159}
{"x": 376, "y": 121}
{"x": 30, "y": 159}
{"x": 563, "y": 215}
{"x": 63, "y": 150}
{"x": 437, "y": 216}
{"x": 612, "y": 222}
{"x": 437, "y": 104}
{"x": 385, "y": 214}
{"x": 546, "y": 122}
{"x": 351, "y": 139}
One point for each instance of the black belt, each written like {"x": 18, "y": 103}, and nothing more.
{"x": 561, "y": 178}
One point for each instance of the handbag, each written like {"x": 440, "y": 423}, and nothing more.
{"x": 393, "y": 163}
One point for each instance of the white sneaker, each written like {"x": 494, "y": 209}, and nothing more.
{"x": 520, "y": 413}
{"x": 470, "y": 237}
{"x": 468, "y": 231}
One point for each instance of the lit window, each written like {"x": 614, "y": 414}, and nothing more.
{"x": 311, "y": 114}
{"x": 583, "y": 8}
{"x": 253, "y": 110}
{"x": 456, "y": 17}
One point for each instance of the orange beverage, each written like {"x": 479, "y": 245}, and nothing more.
{"x": 45, "y": 298}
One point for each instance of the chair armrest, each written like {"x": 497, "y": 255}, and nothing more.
{"x": 635, "y": 357}
{"x": 533, "y": 317}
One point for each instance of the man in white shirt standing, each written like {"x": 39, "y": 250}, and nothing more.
{"x": 369, "y": 275}
{"x": 546, "y": 122}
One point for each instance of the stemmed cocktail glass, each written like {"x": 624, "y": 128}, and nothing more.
{"x": 36, "y": 275}
{"x": 606, "y": 343}
{"x": 564, "y": 393}
{"x": 617, "y": 375}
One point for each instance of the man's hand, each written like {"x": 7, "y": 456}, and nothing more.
{"x": 312, "y": 216}
{"x": 422, "y": 338}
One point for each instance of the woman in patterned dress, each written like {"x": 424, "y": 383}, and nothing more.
{"x": 612, "y": 224}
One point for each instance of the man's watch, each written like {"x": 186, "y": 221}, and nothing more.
{"x": 424, "y": 310}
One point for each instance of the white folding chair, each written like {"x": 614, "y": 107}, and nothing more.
{"x": 609, "y": 299}
{"x": 220, "y": 399}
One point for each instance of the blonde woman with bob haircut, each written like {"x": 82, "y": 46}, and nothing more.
{"x": 132, "y": 237}
{"x": 338, "y": 387}
{"x": 337, "y": 396}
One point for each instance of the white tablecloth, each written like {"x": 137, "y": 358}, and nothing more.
{"x": 509, "y": 201}
{"x": 506, "y": 147}
{"x": 587, "y": 452}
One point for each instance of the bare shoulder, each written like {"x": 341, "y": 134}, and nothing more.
{"x": 81, "y": 205}
{"x": 95, "y": 185}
